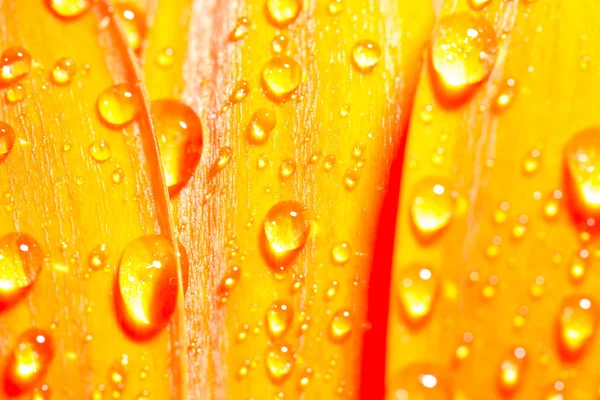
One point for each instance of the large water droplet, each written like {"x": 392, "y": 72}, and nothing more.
{"x": 147, "y": 286}
{"x": 432, "y": 208}
{"x": 463, "y": 53}
{"x": 7, "y": 139}
{"x": 63, "y": 71}
{"x": 417, "y": 289}
{"x": 279, "y": 318}
{"x": 21, "y": 260}
{"x": 15, "y": 64}
{"x": 281, "y": 76}
{"x": 365, "y": 55}
{"x": 69, "y": 8}
{"x": 286, "y": 230}
{"x": 28, "y": 361}
{"x": 262, "y": 123}
{"x": 511, "y": 371}
{"x": 577, "y": 323}
{"x": 340, "y": 326}
{"x": 179, "y": 136}
{"x": 119, "y": 104}
{"x": 282, "y": 12}
{"x": 133, "y": 22}
{"x": 420, "y": 382}
{"x": 279, "y": 361}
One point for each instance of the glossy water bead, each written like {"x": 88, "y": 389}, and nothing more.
{"x": 281, "y": 75}
{"x": 577, "y": 325}
{"x": 7, "y": 140}
{"x": 432, "y": 207}
{"x": 69, "y": 8}
{"x": 119, "y": 104}
{"x": 366, "y": 55}
{"x": 15, "y": 64}
{"x": 286, "y": 230}
{"x": 282, "y": 12}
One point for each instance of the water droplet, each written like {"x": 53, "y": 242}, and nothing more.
{"x": 15, "y": 93}
{"x": 420, "y": 381}
{"x": 63, "y": 71}
{"x": 279, "y": 361}
{"x": 133, "y": 22}
{"x": 511, "y": 371}
{"x": 262, "y": 161}
{"x": 433, "y": 206}
{"x": 179, "y": 136}
{"x": 28, "y": 361}
{"x": 228, "y": 282}
{"x": 98, "y": 258}
{"x": 555, "y": 391}
{"x": 280, "y": 43}
{"x": 417, "y": 289}
{"x": 69, "y": 8}
{"x": 281, "y": 76}
{"x": 283, "y": 12}
{"x": 164, "y": 59}
{"x": 116, "y": 378}
{"x": 479, "y": 4}
{"x": 15, "y": 64}
{"x": 241, "y": 29}
{"x": 505, "y": 96}
{"x": 286, "y": 230}
{"x": 21, "y": 261}
{"x": 287, "y": 168}
{"x": 119, "y": 104}
{"x": 582, "y": 159}
{"x": 331, "y": 290}
{"x": 262, "y": 123}
{"x": 531, "y": 162}
{"x": 7, "y": 139}
{"x": 578, "y": 266}
{"x": 463, "y": 52}
{"x": 340, "y": 326}
{"x": 553, "y": 205}
{"x": 240, "y": 91}
{"x": 279, "y": 318}
{"x": 351, "y": 177}
{"x": 366, "y": 55}
{"x": 329, "y": 162}
{"x": 100, "y": 150}
{"x": 577, "y": 323}
{"x": 340, "y": 253}
{"x": 335, "y": 7}
{"x": 147, "y": 285}
{"x": 117, "y": 176}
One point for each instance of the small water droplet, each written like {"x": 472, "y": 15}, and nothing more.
{"x": 531, "y": 162}
{"x": 479, "y": 4}
{"x": 15, "y": 65}
{"x": 366, "y": 55}
{"x": 335, "y": 7}
{"x": 147, "y": 286}
{"x": 262, "y": 123}
{"x": 417, "y": 289}
{"x": 28, "y": 361}
{"x": 179, "y": 136}
{"x": 15, "y": 93}
{"x": 505, "y": 96}
{"x": 340, "y": 326}
{"x": 119, "y": 104}
{"x": 279, "y": 361}
{"x": 63, "y": 71}
{"x": 100, "y": 150}
{"x": 262, "y": 161}
{"x": 223, "y": 158}
{"x": 432, "y": 207}
{"x": 286, "y": 230}
{"x": 511, "y": 371}
{"x": 577, "y": 322}
{"x": 21, "y": 261}
{"x": 287, "y": 168}
{"x": 329, "y": 162}
{"x": 280, "y": 43}
{"x": 463, "y": 52}
{"x": 98, "y": 258}
{"x": 133, "y": 22}
{"x": 283, "y": 12}
{"x": 241, "y": 29}
{"x": 340, "y": 253}
{"x": 117, "y": 176}
{"x": 331, "y": 290}
{"x": 281, "y": 76}
{"x": 240, "y": 91}
{"x": 228, "y": 282}
{"x": 420, "y": 381}
{"x": 553, "y": 205}
{"x": 351, "y": 177}
{"x": 164, "y": 59}
{"x": 69, "y": 8}
{"x": 7, "y": 139}
{"x": 279, "y": 318}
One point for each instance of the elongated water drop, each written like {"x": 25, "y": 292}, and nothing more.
{"x": 7, "y": 139}
{"x": 365, "y": 55}
{"x": 341, "y": 325}
{"x": 262, "y": 123}
{"x": 286, "y": 231}
{"x": 63, "y": 71}
{"x": 179, "y": 136}
{"x": 15, "y": 64}
{"x": 432, "y": 207}
{"x": 241, "y": 29}
{"x": 119, "y": 104}
{"x": 463, "y": 52}
{"x": 282, "y": 12}
{"x": 279, "y": 361}
{"x": 577, "y": 323}
{"x": 420, "y": 381}
{"x": 133, "y": 22}
{"x": 21, "y": 260}
{"x": 511, "y": 371}
{"x": 279, "y": 318}
{"x": 28, "y": 361}
{"x": 69, "y": 8}
{"x": 281, "y": 76}
{"x": 147, "y": 286}
{"x": 417, "y": 289}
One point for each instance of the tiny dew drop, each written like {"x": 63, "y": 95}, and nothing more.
{"x": 286, "y": 231}
{"x": 463, "y": 52}
{"x": 340, "y": 253}
{"x": 432, "y": 207}
{"x": 531, "y": 162}
{"x": 282, "y": 12}
{"x": 179, "y": 136}
{"x": 279, "y": 44}
{"x": 223, "y": 158}
{"x": 329, "y": 162}
{"x": 119, "y": 104}
{"x": 279, "y": 318}
{"x": 281, "y": 75}
{"x": 340, "y": 326}
{"x": 15, "y": 64}
{"x": 28, "y": 361}
{"x": 366, "y": 55}
{"x": 577, "y": 324}
{"x": 21, "y": 261}
{"x": 240, "y": 91}
{"x": 7, "y": 139}
{"x": 511, "y": 371}
{"x": 98, "y": 257}
{"x": 420, "y": 381}
{"x": 147, "y": 283}
{"x": 100, "y": 150}
{"x": 351, "y": 177}
{"x": 117, "y": 176}
{"x": 287, "y": 168}
{"x": 63, "y": 71}
{"x": 133, "y": 22}
{"x": 228, "y": 282}
{"x": 262, "y": 123}
{"x": 241, "y": 29}
{"x": 164, "y": 59}
{"x": 417, "y": 289}
{"x": 69, "y": 8}
{"x": 578, "y": 266}
{"x": 335, "y": 7}
{"x": 279, "y": 361}
{"x": 15, "y": 93}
